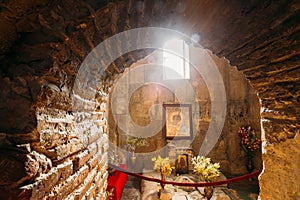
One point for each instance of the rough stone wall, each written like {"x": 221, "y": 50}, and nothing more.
{"x": 51, "y": 146}
{"x": 145, "y": 104}
{"x": 285, "y": 157}
{"x": 273, "y": 70}
{"x": 141, "y": 101}
{"x": 243, "y": 109}
{"x": 48, "y": 148}
{"x": 74, "y": 150}
{"x": 65, "y": 156}
{"x": 261, "y": 38}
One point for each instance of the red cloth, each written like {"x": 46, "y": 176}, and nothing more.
{"x": 117, "y": 182}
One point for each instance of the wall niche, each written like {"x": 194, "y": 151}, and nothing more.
{"x": 139, "y": 94}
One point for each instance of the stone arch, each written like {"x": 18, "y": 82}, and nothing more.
{"x": 242, "y": 109}
{"x": 40, "y": 59}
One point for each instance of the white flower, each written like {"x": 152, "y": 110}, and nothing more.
{"x": 207, "y": 170}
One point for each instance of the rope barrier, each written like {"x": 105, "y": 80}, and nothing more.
{"x": 198, "y": 184}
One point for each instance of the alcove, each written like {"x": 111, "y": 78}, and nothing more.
{"x": 43, "y": 44}
{"x": 141, "y": 97}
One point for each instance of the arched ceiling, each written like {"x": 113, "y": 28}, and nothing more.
{"x": 39, "y": 39}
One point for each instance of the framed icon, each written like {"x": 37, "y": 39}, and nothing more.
{"x": 178, "y": 121}
{"x": 181, "y": 164}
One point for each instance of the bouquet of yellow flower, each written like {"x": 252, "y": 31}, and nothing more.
{"x": 250, "y": 141}
{"x": 162, "y": 165}
{"x": 207, "y": 170}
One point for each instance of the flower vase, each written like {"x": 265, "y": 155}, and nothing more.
{"x": 208, "y": 192}
{"x": 249, "y": 164}
{"x": 163, "y": 178}
{"x": 133, "y": 159}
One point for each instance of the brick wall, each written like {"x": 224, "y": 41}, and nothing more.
{"x": 260, "y": 38}
{"x": 75, "y": 147}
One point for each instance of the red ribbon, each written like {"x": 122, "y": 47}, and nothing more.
{"x": 198, "y": 184}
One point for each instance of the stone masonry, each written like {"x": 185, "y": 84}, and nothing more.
{"x": 42, "y": 46}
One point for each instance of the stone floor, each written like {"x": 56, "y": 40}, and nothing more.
{"x": 132, "y": 189}
{"x": 246, "y": 189}
{"x": 243, "y": 190}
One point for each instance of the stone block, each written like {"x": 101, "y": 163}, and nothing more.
{"x": 100, "y": 122}
{"x": 81, "y": 159}
{"x": 46, "y": 182}
{"x": 101, "y": 180}
{"x": 100, "y": 142}
{"x": 103, "y": 171}
{"x": 51, "y": 115}
{"x": 91, "y": 192}
{"x": 103, "y": 107}
{"x": 98, "y": 178}
{"x": 95, "y": 135}
{"x": 81, "y": 191}
{"x": 94, "y": 161}
{"x": 73, "y": 146}
{"x": 43, "y": 184}
{"x": 66, "y": 187}
{"x": 100, "y": 196}
{"x": 103, "y": 162}
{"x": 101, "y": 185}
{"x": 57, "y": 142}
{"x": 105, "y": 147}
{"x": 92, "y": 149}
{"x": 65, "y": 169}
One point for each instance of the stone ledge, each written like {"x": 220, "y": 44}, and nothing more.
{"x": 149, "y": 190}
